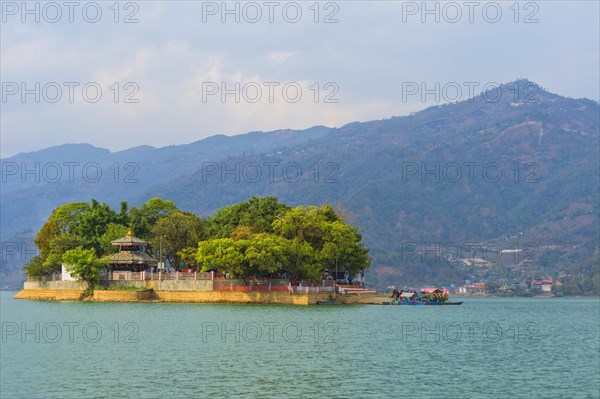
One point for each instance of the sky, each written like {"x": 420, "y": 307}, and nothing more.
{"x": 123, "y": 74}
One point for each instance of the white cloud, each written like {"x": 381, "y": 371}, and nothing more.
{"x": 281, "y": 57}
{"x": 170, "y": 54}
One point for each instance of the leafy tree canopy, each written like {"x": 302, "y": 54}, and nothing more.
{"x": 84, "y": 265}
{"x": 257, "y": 214}
{"x": 253, "y": 238}
{"x": 92, "y": 226}
{"x": 301, "y": 241}
{"x": 176, "y": 232}
{"x": 142, "y": 219}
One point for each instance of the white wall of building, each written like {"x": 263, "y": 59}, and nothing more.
{"x": 66, "y": 276}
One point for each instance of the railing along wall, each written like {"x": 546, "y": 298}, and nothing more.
{"x": 274, "y": 285}
{"x": 159, "y": 276}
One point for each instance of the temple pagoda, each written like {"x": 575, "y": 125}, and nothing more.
{"x": 133, "y": 254}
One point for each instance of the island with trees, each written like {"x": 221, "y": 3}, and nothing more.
{"x": 260, "y": 248}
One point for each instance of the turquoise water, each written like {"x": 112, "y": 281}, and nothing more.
{"x": 486, "y": 348}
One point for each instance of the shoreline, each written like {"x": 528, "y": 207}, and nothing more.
{"x": 150, "y": 295}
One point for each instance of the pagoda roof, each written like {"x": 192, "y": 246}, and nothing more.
{"x": 129, "y": 240}
{"x": 132, "y": 257}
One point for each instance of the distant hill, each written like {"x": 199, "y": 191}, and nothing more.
{"x": 510, "y": 172}
{"x": 70, "y": 172}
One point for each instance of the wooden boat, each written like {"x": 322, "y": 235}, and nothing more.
{"x": 417, "y": 303}
{"x": 328, "y": 303}
{"x": 416, "y": 298}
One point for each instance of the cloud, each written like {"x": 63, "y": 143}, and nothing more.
{"x": 281, "y": 57}
{"x": 171, "y": 55}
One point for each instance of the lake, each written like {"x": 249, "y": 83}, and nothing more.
{"x": 486, "y": 348}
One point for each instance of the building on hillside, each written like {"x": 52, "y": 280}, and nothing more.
{"x": 542, "y": 284}
{"x": 476, "y": 288}
{"x": 133, "y": 255}
{"x": 478, "y": 262}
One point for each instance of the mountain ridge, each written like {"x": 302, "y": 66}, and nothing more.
{"x": 551, "y": 141}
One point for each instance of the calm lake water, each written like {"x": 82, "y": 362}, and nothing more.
{"x": 486, "y": 348}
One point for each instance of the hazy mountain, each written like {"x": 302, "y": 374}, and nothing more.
{"x": 520, "y": 169}
{"x": 33, "y": 184}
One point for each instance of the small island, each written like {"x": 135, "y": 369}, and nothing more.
{"x": 258, "y": 251}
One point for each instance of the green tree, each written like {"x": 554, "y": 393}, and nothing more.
{"x": 267, "y": 254}
{"x": 35, "y": 267}
{"x": 92, "y": 224}
{"x": 84, "y": 265}
{"x": 176, "y": 232}
{"x": 223, "y": 254}
{"x": 59, "y": 245}
{"x": 66, "y": 228}
{"x": 48, "y": 232}
{"x": 256, "y": 213}
{"x": 334, "y": 242}
{"x": 300, "y": 242}
{"x": 123, "y": 215}
{"x": 307, "y": 224}
{"x": 63, "y": 219}
{"x": 342, "y": 248}
{"x": 188, "y": 255}
{"x": 67, "y": 216}
{"x": 142, "y": 219}
{"x": 112, "y": 232}
{"x": 304, "y": 261}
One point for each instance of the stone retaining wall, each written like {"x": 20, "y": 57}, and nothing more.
{"x": 123, "y": 296}
{"x": 116, "y": 284}
{"x": 240, "y": 297}
{"x": 185, "y": 285}
{"x": 54, "y": 285}
{"x": 50, "y": 295}
{"x": 200, "y": 295}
